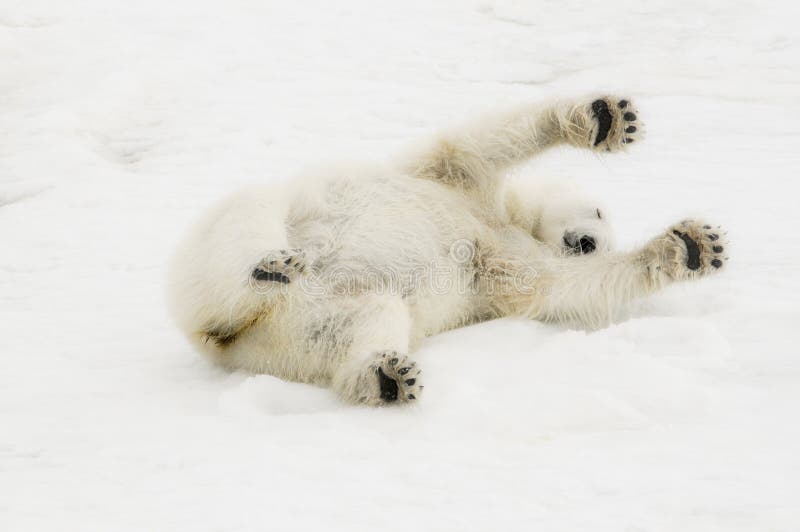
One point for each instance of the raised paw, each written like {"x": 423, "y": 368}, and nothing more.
{"x": 615, "y": 123}
{"x": 692, "y": 249}
{"x": 395, "y": 378}
{"x": 282, "y": 266}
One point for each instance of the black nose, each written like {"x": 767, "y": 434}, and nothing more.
{"x": 587, "y": 244}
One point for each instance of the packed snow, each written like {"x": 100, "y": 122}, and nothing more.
{"x": 121, "y": 121}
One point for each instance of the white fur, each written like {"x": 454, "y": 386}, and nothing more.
{"x": 549, "y": 209}
{"x": 379, "y": 257}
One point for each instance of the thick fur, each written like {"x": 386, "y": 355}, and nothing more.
{"x": 335, "y": 280}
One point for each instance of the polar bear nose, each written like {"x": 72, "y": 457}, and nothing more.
{"x": 587, "y": 244}
{"x": 580, "y": 244}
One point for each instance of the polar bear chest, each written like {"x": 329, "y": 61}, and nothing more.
{"x": 398, "y": 236}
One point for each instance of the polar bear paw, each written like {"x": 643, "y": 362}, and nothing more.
{"x": 693, "y": 249}
{"x": 398, "y": 377}
{"x": 388, "y": 377}
{"x": 282, "y": 266}
{"x": 615, "y": 124}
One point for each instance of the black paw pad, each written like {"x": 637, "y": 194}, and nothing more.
{"x": 629, "y": 116}
{"x": 716, "y": 263}
{"x": 265, "y": 275}
{"x": 388, "y": 387}
{"x": 622, "y": 104}
{"x": 692, "y": 251}
{"x": 603, "y": 116}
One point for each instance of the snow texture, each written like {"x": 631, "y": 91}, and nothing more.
{"x": 121, "y": 121}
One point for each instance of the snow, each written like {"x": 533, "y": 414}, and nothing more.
{"x": 121, "y": 121}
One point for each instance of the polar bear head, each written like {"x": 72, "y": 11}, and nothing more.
{"x": 561, "y": 215}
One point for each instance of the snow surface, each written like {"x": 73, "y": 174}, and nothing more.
{"x": 122, "y": 120}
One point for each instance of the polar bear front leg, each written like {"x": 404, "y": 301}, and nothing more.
{"x": 590, "y": 289}
{"x": 473, "y": 156}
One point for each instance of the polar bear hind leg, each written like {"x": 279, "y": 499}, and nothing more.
{"x": 356, "y": 344}
{"x": 212, "y": 291}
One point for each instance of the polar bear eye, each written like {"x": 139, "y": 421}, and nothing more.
{"x": 599, "y": 215}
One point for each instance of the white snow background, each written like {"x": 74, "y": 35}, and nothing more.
{"x": 120, "y": 121}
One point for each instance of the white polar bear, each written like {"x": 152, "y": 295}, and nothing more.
{"x": 335, "y": 281}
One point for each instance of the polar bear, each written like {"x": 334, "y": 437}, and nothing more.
{"x": 336, "y": 279}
